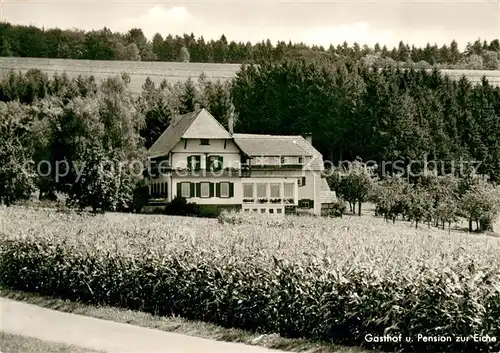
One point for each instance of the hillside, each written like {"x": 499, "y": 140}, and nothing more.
{"x": 171, "y": 71}
{"x": 138, "y": 71}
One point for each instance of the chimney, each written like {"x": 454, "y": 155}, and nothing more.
{"x": 230, "y": 119}
{"x": 174, "y": 117}
{"x": 308, "y": 137}
{"x": 230, "y": 124}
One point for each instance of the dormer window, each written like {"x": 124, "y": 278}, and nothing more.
{"x": 204, "y": 142}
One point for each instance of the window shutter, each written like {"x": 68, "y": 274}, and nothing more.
{"x": 189, "y": 162}
{"x": 208, "y": 163}
{"x": 211, "y": 189}
{"x": 198, "y": 162}
{"x": 231, "y": 189}
{"x": 221, "y": 162}
{"x": 166, "y": 190}
{"x": 191, "y": 189}
{"x": 198, "y": 190}
{"x": 303, "y": 181}
{"x": 217, "y": 190}
{"x": 154, "y": 169}
{"x": 179, "y": 189}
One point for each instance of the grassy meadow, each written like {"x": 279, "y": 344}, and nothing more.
{"x": 137, "y": 70}
{"x": 171, "y": 71}
{"x": 10, "y": 343}
{"x": 335, "y": 280}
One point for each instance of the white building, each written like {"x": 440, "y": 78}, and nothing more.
{"x": 197, "y": 158}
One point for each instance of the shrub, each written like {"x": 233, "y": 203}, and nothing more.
{"x": 140, "y": 196}
{"x": 338, "y": 209}
{"x": 180, "y": 207}
{"x": 230, "y": 218}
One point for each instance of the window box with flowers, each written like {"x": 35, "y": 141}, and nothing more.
{"x": 248, "y": 200}
{"x": 263, "y": 200}
{"x": 289, "y": 201}
{"x": 275, "y": 200}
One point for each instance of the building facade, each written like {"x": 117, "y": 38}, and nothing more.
{"x": 198, "y": 159}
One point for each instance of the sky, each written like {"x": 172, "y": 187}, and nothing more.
{"x": 312, "y": 22}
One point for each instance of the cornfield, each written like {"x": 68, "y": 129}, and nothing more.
{"x": 335, "y": 280}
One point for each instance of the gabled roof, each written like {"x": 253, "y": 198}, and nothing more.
{"x": 205, "y": 126}
{"x": 173, "y": 134}
{"x": 197, "y": 124}
{"x": 201, "y": 124}
{"x": 279, "y": 145}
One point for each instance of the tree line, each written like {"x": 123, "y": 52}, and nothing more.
{"x": 433, "y": 199}
{"x": 30, "y": 41}
{"x": 392, "y": 117}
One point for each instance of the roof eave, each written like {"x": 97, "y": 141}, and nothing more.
{"x": 156, "y": 155}
{"x": 246, "y": 155}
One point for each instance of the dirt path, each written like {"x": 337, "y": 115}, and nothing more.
{"x": 49, "y": 325}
